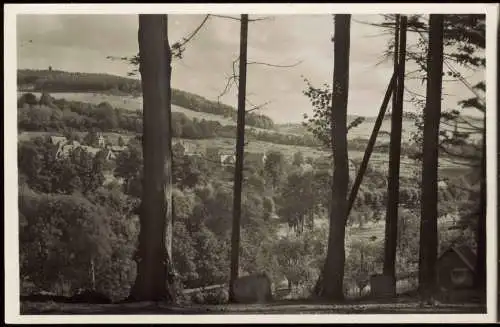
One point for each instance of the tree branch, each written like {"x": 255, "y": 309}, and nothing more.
{"x": 462, "y": 128}
{"x": 177, "y": 49}
{"x": 460, "y": 163}
{"x": 233, "y": 79}
{"x": 239, "y": 19}
{"x": 188, "y": 38}
{"x": 457, "y": 155}
{"x": 254, "y": 107}
{"x": 465, "y": 121}
{"x": 274, "y": 65}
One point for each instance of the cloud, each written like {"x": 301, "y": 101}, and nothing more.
{"x": 82, "y": 42}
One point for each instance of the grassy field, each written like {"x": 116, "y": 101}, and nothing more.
{"x": 131, "y": 103}
{"x": 363, "y": 131}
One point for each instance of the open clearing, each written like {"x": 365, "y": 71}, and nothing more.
{"x": 132, "y": 103}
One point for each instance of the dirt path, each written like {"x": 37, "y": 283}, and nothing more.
{"x": 272, "y": 308}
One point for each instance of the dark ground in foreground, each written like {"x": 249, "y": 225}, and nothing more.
{"x": 279, "y": 307}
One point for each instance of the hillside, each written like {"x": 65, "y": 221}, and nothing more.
{"x": 123, "y": 92}
{"x": 364, "y": 130}
{"x": 54, "y": 81}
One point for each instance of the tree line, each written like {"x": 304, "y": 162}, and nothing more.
{"x": 63, "y": 116}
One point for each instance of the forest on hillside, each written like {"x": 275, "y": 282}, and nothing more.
{"x": 61, "y": 81}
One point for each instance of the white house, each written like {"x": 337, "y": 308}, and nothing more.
{"x": 189, "y": 149}
{"x": 56, "y": 140}
{"x": 306, "y": 167}
{"x": 65, "y": 147}
{"x": 227, "y": 159}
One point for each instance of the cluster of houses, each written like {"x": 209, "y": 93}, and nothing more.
{"x": 224, "y": 158}
{"x": 65, "y": 147}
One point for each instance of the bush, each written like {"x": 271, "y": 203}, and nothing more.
{"x": 217, "y": 296}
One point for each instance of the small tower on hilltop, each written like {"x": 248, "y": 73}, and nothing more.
{"x": 100, "y": 141}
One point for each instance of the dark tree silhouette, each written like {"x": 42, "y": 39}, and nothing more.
{"x": 429, "y": 202}
{"x": 333, "y": 274}
{"x": 240, "y": 145}
{"x": 154, "y": 279}
{"x": 391, "y": 225}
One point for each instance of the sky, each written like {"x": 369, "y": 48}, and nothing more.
{"x": 81, "y": 43}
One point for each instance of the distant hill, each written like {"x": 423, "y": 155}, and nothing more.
{"x": 125, "y": 92}
{"x": 62, "y": 81}
{"x": 365, "y": 129}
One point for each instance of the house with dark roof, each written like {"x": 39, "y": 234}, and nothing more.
{"x": 56, "y": 140}
{"x": 456, "y": 268}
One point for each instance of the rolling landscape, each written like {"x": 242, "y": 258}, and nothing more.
{"x": 133, "y": 103}
{"x": 147, "y": 193}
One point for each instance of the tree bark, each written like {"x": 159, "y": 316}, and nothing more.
{"x": 238, "y": 170}
{"x": 391, "y": 221}
{"x": 154, "y": 281}
{"x": 334, "y": 266}
{"x": 429, "y": 198}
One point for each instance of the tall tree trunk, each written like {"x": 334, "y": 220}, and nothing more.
{"x": 154, "y": 281}
{"x": 240, "y": 144}
{"x": 396, "y": 58}
{"x": 432, "y": 113}
{"x": 92, "y": 273}
{"x": 334, "y": 266}
{"x": 480, "y": 277}
{"x": 391, "y": 220}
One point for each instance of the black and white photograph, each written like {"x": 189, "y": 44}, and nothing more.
{"x": 240, "y": 161}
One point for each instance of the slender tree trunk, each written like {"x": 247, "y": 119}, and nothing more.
{"x": 154, "y": 281}
{"x": 371, "y": 143}
{"x": 240, "y": 144}
{"x": 92, "y": 273}
{"x": 429, "y": 200}
{"x": 480, "y": 277}
{"x": 391, "y": 222}
{"x": 334, "y": 266}
{"x": 396, "y": 59}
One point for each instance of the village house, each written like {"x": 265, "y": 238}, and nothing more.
{"x": 56, "y": 140}
{"x": 109, "y": 154}
{"x": 65, "y": 147}
{"x": 456, "y": 268}
{"x": 227, "y": 159}
{"x": 442, "y": 184}
{"x": 306, "y": 167}
{"x": 113, "y": 151}
{"x": 188, "y": 149}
